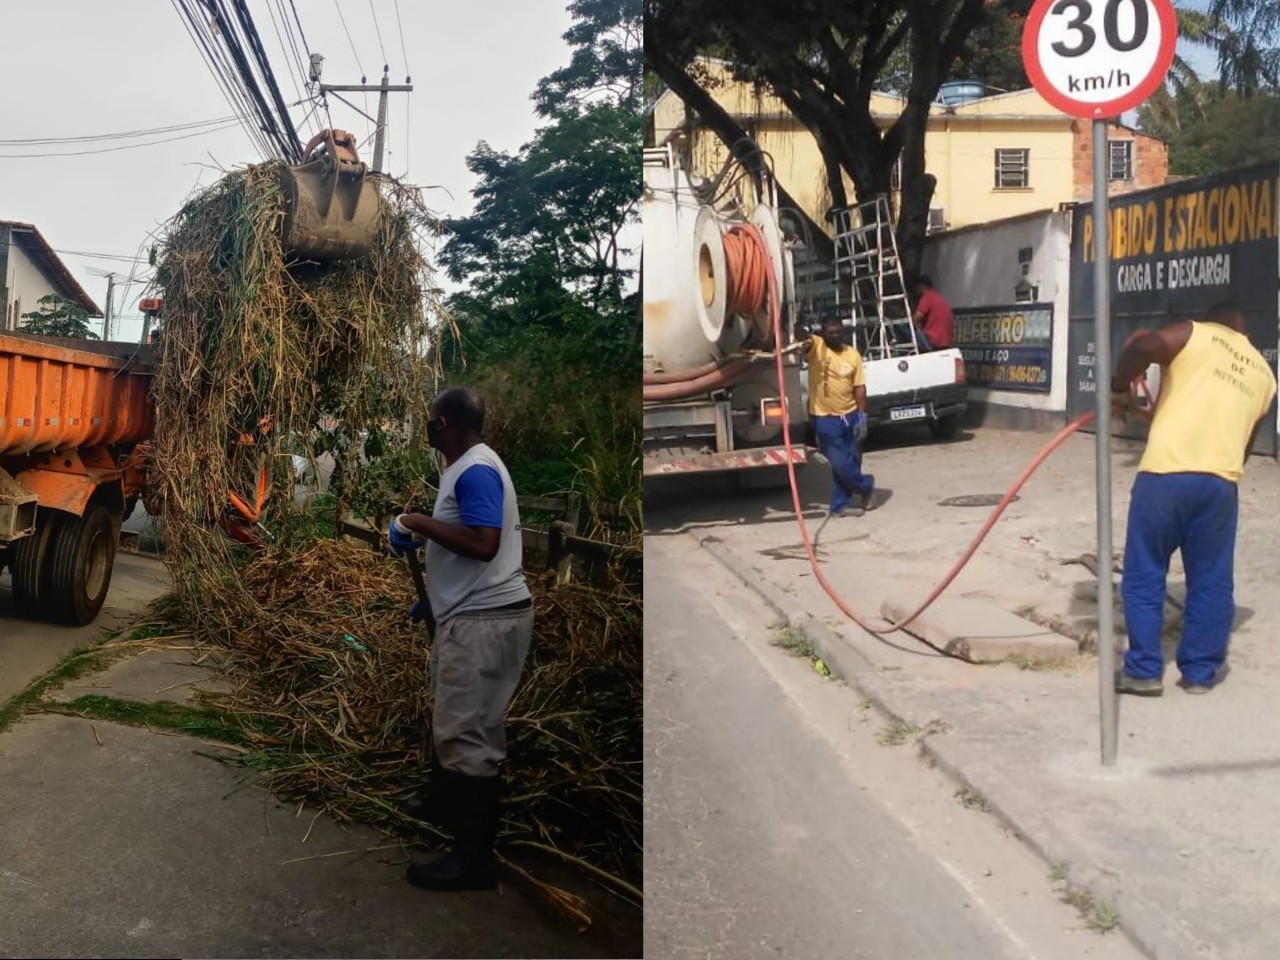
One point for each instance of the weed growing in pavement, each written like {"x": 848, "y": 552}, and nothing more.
{"x": 896, "y": 733}
{"x": 795, "y": 640}
{"x": 972, "y": 800}
{"x": 82, "y": 661}
{"x": 1098, "y": 916}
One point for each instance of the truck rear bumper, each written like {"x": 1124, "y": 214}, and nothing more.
{"x": 660, "y": 465}
{"x": 934, "y": 403}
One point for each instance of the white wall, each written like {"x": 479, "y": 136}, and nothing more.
{"x": 978, "y": 267}
{"x": 27, "y": 284}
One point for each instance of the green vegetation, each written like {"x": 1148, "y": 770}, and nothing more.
{"x": 58, "y": 317}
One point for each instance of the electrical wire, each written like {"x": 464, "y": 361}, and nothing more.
{"x": 378, "y": 28}
{"x": 364, "y": 77}
{"x": 284, "y": 48}
{"x": 403, "y": 52}
{"x": 192, "y": 28}
{"x": 122, "y": 135}
{"x": 127, "y": 146}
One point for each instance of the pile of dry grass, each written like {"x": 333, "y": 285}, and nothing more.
{"x": 332, "y": 683}
{"x": 257, "y": 353}
{"x": 331, "y": 676}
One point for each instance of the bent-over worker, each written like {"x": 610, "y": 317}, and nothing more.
{"x": 484, "y": 623}
{"x": 1215, "y": 388}
{"x": 838, "y": 405}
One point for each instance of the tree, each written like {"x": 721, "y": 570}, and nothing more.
{"x": 1249, "y": 53}
{"x": 824, "y": 59}
{"x": 550, "y": 319}
{"x": 1223, "y": 131}
{"x": 58, "y": 317}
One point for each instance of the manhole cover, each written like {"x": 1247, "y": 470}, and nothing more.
{"x": 975, "y": 500}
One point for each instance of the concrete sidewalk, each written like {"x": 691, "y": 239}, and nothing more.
{"x": 123, "y": 841}
{"x": 1181, "y": 837}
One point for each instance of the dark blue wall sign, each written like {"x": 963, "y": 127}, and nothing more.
{"x": 1175, "y": 251}
{"x": 1007, "y": 347}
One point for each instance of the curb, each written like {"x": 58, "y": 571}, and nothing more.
{"x": 1149, "y": 934}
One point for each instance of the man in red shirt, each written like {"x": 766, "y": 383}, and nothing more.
{"x": 932, "y": 316}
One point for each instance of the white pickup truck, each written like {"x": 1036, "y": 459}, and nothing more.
{"x": 914, "y": 388}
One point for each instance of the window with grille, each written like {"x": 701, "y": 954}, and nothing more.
{"x": 1119, "y": 160}
{"x": 1013, "y": 168}
{"x": 895, "y": 176}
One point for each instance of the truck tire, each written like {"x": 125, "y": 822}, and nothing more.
{"x": 28, "y": 563}
{"x": 946, "y": 428}
{"x": 82, "y": 552}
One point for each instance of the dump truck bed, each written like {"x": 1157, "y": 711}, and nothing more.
{"x": 59, "y": 394}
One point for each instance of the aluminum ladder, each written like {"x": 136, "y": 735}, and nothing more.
{"x": 869, "y": 284}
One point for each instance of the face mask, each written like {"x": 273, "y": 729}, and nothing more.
{"x": 435, "y": 429}
{"x": 834, "y": 341}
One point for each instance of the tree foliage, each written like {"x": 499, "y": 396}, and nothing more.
{"x": 1215, "y": 130}
{"x": 824, "y": 59}
{"x": 58, "y": 317}
{"x": 1249, "y": 49}
{"x": 547, "y": 254}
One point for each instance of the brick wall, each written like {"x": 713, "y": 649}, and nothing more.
{"x": 1150, "y": 160}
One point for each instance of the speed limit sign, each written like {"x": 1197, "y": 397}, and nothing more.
{"x": 1098, "y": 58}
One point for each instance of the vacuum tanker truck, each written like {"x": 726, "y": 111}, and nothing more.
{"x": 711, "y": 280}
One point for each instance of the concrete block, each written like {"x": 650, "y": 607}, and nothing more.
{"x": 980, "y": 632}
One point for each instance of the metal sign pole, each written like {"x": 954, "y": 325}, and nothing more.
{"x": 1102, "y": 383}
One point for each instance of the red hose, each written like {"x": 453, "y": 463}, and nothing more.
{"x": 1023, "y": 477}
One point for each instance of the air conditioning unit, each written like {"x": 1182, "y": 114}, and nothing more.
{"x": 937, "y": 218}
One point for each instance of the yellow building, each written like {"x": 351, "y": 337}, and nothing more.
{"x": 994, "y": 156}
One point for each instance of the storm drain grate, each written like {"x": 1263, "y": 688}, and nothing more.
{"x": 975, "y": 500}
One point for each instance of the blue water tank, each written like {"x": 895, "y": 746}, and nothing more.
{"x": 956, "y": 92}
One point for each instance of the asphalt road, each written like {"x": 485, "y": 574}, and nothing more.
{"x": 776, "y": 825}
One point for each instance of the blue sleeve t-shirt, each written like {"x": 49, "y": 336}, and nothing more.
{"x": 480, "y": 496}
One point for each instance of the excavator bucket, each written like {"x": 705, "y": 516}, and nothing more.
{"x": 332, "y": 210}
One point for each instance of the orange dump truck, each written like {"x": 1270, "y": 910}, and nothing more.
{"x": 71, "y": 414}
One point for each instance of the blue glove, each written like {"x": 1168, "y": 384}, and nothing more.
{"x": 421, "y": 611}
{"x": 403, "y": 540}
{"x": 860, "y": 426}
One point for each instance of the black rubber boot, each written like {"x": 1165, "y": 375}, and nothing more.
{"x": 422, "y": 805}
{"x": 469, "y": 864}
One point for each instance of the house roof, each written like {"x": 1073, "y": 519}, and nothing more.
{"x": 37, "y": 248}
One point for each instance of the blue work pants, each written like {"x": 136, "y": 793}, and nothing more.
{"x": 839, "y": 445}
{"x": 1195, "y": 513}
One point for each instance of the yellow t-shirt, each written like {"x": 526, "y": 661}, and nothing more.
{"x": 1211, "y": 397}
{"x": 832, "y": 376}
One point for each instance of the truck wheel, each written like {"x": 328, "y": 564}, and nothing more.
{"x": 82, "y": 553}
{"x": 27, "y": 563}
{"x": 946, "y": 428}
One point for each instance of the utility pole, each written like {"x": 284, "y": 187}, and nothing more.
{"x": 381, "y": 89}
{"x": 106, "y": 315}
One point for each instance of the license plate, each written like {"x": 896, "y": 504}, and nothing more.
{"x": 909, "y": 413}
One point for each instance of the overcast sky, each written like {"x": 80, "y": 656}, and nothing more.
{"x": 86, "y": 67}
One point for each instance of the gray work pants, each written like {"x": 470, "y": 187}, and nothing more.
{"x": 476, "y": 661}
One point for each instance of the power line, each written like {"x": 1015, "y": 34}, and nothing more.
{"x": 123, "y": 135}
{"x": 403, "y": 52}
{"x": 378, "y": 28}
{"x": 192, "y": 25}
{"x": 127, "y": 146}
{"x": 363, "y": 76}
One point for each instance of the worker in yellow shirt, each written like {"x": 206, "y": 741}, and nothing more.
{"x": 838, "y": 405}
{"x": 1215, "y": 388}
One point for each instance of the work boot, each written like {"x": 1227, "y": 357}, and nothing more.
{"x": 469, "y": 864}
{"x": 421, "y": 805}
{"x": 1139, "y": 686}
{"x": 1200, "y": 688}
